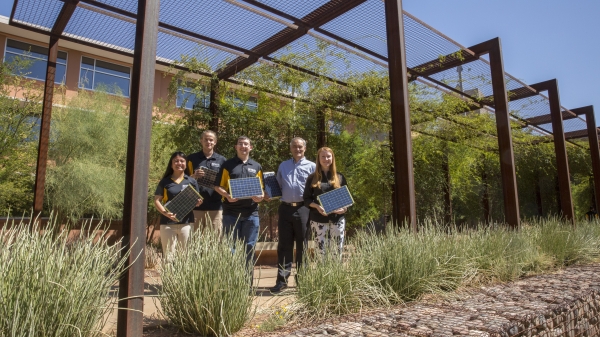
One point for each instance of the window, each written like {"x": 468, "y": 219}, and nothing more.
{"x": 251, "y": 104}
{"x": 334, "y": 127}
{"x": 187, "y": 97}
{"x": 112, "y": 78}
{"x": 37, "y": 58}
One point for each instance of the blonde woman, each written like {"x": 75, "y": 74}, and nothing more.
{"x": 325, "y": 179}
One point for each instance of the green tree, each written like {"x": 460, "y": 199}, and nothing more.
{"x": 88, "y": 152}
{"x": 19, "y": 122}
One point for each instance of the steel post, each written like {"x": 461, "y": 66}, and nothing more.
{"x": 321, "y": 129}
{"x": 505, "y": 146}
{"x": 401, "y": 133}
{"x": 214, "y": 105}
{"x": 594, "y": 150}
{"x": 42, "y": 157}
{"x": 447, "y": 185}
{"x": 135, "y": 208}
{"x": 62, "y": 19}
{"x": 560, "y": 148}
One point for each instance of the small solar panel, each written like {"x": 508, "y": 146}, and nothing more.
{"x": 271, "y": 185}
{"x": 245, "y": 188}
{"x": 338, "y": 198}
{"x": 209, "y": 180}
{"x": 183, "y": 203}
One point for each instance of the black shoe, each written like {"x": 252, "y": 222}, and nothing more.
{"x": 279, "y": 287}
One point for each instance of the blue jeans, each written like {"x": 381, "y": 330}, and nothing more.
{"x": 245, "y": 229}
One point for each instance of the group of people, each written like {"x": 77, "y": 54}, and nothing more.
{"x": 301, "y": 182}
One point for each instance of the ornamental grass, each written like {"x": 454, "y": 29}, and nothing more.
{"x": 206, "y": 287}
{"x": 53, "y": 284}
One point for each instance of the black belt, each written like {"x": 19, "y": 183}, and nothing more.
{"x": 293, "y": 204}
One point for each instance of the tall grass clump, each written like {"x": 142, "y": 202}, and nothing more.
{"x": 53, "y": 285}
{"x": 412, "y": 264}
{"x": 328, "y": 285}
{"x": 501, "y": 254}
{"x": 564, "y": 244}
{"x": 439, "y": 259}
{"x": 206, "y": 287}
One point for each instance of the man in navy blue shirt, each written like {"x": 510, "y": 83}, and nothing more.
{"x": 210, "y": 212}
{"x": 293, "y": 214}
{"x": 240, "y": 217}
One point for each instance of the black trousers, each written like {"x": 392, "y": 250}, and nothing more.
{"x": 293, "y": 228}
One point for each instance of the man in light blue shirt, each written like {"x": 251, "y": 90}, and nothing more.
{"x": 293, "y": 215}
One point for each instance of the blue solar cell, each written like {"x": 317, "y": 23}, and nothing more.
{"x": 338, "y": 198}
{"x": 209, "y": 180}
{"x": 271, "y": 185}
{"x": 183, "y": 203}
{"x": 245, "y": 188}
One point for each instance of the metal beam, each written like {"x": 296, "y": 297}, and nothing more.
{"x": 215, "y": 106}
{"x": 13, "y": 11}
{"x": 404, "y": 184}
{"x": 545, "y": 119}
{"x": 447, "y": 62}
{"x": 42, "y": 157}
{"x": 135, "y": 207}
{"x": 590, "y": 119}
{"x": 562, "y": 162}
{"x": 321, "y": 129}
{"x": 316, "y": 18}
{"x": 577, "y": 134}
{"x": 505, "y": 146}
{"x": 172, "y": 30}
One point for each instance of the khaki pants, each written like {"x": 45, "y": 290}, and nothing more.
{"x": 172, "y": 236}
{"x": 204, "y": 219}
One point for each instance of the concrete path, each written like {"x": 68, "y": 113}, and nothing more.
{"x": 264, "y": 278}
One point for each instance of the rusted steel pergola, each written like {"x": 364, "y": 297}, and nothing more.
{"x": 253, "y": 31}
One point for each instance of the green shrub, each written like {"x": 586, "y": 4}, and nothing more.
{"x": 412, "y": 264}
{"x": 53, "y": 285}
{"x": 205, "y": 289}
{"x": 439, "y": 259}
{"x": 328, "y": 286}
{"x": 567, "y": 245}
{"x": 501, "y": 254}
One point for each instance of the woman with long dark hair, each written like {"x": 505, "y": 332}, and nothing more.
{"x": 172, "y": 231}
{"x": 325, "y": 179}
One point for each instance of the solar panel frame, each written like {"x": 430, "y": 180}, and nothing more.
{"x": 335, "y": 199}
{"x": 271, "y": 185}
{"x": 209, "y": 180}
{"x": 183, "y": 203}
{"x": 245, "y": 188}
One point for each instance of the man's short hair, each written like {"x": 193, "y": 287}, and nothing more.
{"x": 208, "y": 132}
{"x": 244, "y": 138}
{"x": 298, "y": 138}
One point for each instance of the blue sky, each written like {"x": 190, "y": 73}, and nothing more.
{"x": 541, "y": 39}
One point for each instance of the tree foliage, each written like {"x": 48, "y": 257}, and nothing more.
{"x": 88, "y": 151}
{"x": 19, "y": 121}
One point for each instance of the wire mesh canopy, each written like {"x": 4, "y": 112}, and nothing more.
{"x": 234, "y": 35}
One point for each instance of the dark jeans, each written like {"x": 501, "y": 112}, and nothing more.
{"x": 292, "y": 227}
{"x": 245, "y": 229}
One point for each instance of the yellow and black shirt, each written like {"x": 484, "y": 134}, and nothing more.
{"x": 235, "y": 168}
{"x": 212, "y": 199}
{"x": 168, "y": 189}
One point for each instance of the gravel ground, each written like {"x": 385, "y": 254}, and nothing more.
{"x": 563, "y": 303}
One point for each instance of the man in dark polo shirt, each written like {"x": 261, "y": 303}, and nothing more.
{"x": 240, "y": 217}
{"x": 210, "y": 212}
{"x": 293, "y": 215}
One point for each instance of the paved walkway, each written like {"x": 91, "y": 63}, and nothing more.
{"x": 264, "y": 278}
